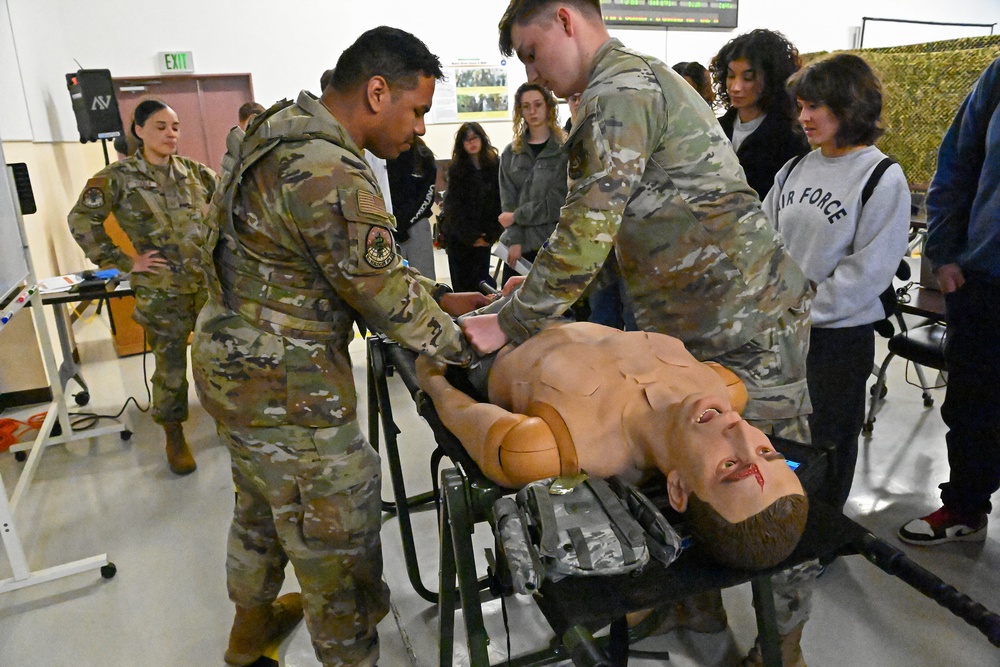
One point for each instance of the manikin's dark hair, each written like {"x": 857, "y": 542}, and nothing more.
{"x": 520, "y": 12}
{"x": 756, "y": 543}
{"x": 395, "y": 55}
{"x": 848, "y": 86}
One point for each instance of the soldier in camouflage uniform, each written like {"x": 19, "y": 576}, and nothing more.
{"x": 653, "y": 178}
{"x": 160, "y": 201}
{"x": 302, "y": 247}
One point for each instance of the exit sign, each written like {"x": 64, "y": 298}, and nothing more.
{"x": 176, "y": 62}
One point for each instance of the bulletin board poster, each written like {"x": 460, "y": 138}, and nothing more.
{"x": 473, "y": 90}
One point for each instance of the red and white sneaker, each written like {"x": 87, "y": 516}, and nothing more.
{"x": 942, "y": 526}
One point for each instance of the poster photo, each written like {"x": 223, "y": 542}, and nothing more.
{"x": 471, "y": 91}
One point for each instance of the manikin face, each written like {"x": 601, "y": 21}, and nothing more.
{"x": 820, "y": 125}
{"x": 744, "y": 85}
{"x": 401, "y": 116}
{"x": 728, "y": 463}
{"x": 160, "y": 135}
{"x": 534, "y": 110}
{"x": 550, "y": 55}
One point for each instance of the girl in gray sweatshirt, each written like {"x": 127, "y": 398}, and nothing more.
{"x": 848, "y": 245}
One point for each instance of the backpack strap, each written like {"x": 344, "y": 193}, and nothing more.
{"x": 873, "y": 180}
{"x": 626, "y": 528}
{"x": 662, "y": 540}
{"x": 795, "y": 163}
{"x": 548, "y": 528}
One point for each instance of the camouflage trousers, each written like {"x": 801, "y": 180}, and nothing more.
{"x": 773, "y": 368}
{"x": 772, "y": 365}
{"x": 168, "y": 320}
{"x": 311, "y": 496}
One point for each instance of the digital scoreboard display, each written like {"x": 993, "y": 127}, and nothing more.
{"x": 703, "y": 14}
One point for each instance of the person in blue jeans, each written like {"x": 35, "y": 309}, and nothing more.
{"x": 963, "y": 247}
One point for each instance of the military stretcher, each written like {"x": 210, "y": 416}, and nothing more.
{"x": 577, "y": 607}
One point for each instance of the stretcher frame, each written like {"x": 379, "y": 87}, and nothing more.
{"x": 466, "y": 498}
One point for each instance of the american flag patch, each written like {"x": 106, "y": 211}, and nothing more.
{"x": 369, "y": 202}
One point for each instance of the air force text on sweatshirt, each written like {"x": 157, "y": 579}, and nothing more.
{"x": 851, "y": 252}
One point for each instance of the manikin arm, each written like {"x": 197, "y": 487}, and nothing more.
{"x": 510, "y": 449}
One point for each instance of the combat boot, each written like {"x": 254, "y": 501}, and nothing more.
{"x": 178, "y": 453}
{"x": 256, "y": 627}
{"x": 791, "y": 650}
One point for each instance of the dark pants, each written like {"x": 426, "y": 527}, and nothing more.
{"x": 468, "y": 266}
{"x": 837, "y": 370}
{"x": 972, "y": 401}
{"x": 609, "y": 306}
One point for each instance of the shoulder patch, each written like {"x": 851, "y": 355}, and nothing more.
{"x": 93, "y": 197}
{"x": 577, "y": 160}
{"x": 369, "y": 202}
{"x": 379, "y": 251}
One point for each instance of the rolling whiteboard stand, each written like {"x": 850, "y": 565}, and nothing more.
{"x": 23, "y": 575}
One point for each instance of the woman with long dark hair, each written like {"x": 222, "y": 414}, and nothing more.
{"x": 159, "y": 200}
{"x": 471, "y": 208}
{"x": 750, "y": 73}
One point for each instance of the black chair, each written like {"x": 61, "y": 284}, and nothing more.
{"x": 923, "y": 345}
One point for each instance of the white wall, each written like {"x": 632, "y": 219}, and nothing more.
{"x": 286, "y": 45}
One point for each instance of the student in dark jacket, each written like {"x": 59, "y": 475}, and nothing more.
{"x": 411, "y": 185}
{"x": 760, "y": 120}
{"x": 471, "y": 208}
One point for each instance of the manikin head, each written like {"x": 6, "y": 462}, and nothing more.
{"x": 744, "y": 504}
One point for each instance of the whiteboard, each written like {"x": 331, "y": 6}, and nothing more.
{"x": 13, "y": 265}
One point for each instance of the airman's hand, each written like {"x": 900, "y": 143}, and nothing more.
{"x": 460, "y": 303}
{"x": 148, "y": 262}
{"x": 484, "y": 332}
{"x": 512, "y": 284}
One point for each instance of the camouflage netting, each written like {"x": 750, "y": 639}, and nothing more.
{"x": 924, "y": 86}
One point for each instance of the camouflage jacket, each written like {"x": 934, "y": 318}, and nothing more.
{"x": 301, "y": 245}
{"x": 652, "y": 175}
{"x": 156, "y": 212}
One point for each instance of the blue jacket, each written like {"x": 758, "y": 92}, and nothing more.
{"x": 963, "y": 201}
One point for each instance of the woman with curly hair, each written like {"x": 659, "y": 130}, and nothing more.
{"x": 750, "y": 73}
{"x": 532, "y": 175}
{"x": 471, "y": 207}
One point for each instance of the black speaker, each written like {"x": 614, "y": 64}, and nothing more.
{"x": 94, "y": 104}
{"x": 22, "y": 182}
